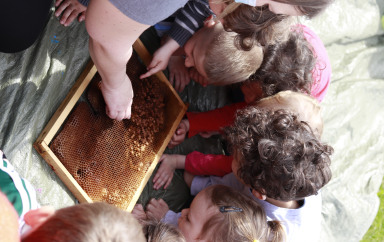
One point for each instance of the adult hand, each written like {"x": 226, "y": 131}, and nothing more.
{"x": 156, "y": 209}
{"x": 118, "y": 99}
{"x": 165, "y": 172}
{"x": 69, "y": 10}
{"x": 178, "y": 73}
{"x": 180, "y": 133}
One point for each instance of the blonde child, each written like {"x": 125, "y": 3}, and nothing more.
{"x": 213, "y": 43}
{"x": 82, "y": 223}
{"x": 220, "y": 213}
{"x": 159, "y": 231}
{"x": 250, "y": 22}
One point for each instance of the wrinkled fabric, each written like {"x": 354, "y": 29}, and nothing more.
{"x": 33, "y": 83}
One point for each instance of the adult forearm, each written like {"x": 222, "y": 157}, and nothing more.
{"x": 110, "y": 65}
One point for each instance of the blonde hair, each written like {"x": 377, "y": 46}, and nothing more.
{"x": 88, "y": 223}
{"x": 156, "y": 231}
{"x": 238, "y": 218}
{"x": 304, "y": 106}
{"x": 225, "y": 63}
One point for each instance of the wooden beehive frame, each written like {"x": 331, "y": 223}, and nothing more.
{"x": 42, "y": 143}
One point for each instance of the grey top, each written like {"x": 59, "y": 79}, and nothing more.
{"x": 148, "y": 11}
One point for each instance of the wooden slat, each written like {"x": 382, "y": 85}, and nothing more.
{"x": 62, "y": 173}
{"x": 66, "y": 106}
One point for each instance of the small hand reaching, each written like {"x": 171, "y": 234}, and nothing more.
{"x": 156, "y": 209}
{"x": 139, "y": 213}
{"x": 178, "y": 73}
{"x": 165, "y": 172}
{"x": 179, "y": 136}
{"x": 161, "y": 57}
{"x": 69, "y": 10}
{"x": 118, "y": 99}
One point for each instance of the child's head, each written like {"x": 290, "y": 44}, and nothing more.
{"x": 220, "y": 213}
{"x": 287, "y": 65}
{"x": 212, "y": 51}
{"x": 305, "y": 107}
{"x": 156, "y": 231}
{"x": 277, "y": 154}
{"x": 309, "y": 8}
{"x": 83, "y": 223}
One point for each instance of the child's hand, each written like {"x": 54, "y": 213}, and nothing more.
{"x": 165, "y": 172}
{"x": 207, "y": 134}
{"x": 188, "y": 178}
{"x": 178, "y": 73}
{"x": 70, "y": 10}
{"x": 180, "y": 133}
{"x": 156, "y": 209}
{"x": 139, "y": 213}
{"x": 159, "y": 62}
{"x": 195, "y": 75}
{"x": 161, "y": 57}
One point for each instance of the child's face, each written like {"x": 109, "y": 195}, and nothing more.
{"x": 279, "y": 8}
{"x": 193, "y": 219}
{"x": 196, "y": 48}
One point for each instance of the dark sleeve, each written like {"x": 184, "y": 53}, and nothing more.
{"x": 84, "y": 2}
{"x": 189, "y": 19}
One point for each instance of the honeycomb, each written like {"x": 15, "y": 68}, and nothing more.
{"x": 109, "y": 159}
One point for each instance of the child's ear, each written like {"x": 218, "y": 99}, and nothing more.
{"x": 258, "y": 195}
{"x": 36, "y": 217}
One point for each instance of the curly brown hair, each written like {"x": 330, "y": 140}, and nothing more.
{"x": 278, "y": 155}
{"x": 287, "y": 65}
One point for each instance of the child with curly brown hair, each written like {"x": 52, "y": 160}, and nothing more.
{"x": 280, "y": 162}
{"x": 220, "y": 213}
{"x": 277, "y": 158}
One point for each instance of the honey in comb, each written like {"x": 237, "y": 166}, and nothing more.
{"x": 110, "y": 158}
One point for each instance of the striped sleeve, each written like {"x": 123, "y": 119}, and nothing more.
{"x": 188, "y": 20}
{"x": 18, "y": 190}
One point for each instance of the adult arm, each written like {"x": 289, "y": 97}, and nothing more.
{"x": 111, "y": 35}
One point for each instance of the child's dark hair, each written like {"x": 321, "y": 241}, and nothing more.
{"x": 308, "y": 8}
{"x": 249, "y": 223}
{"x": 255, "y": 25}
{"x": 287, "y": 65}
{"x": 278, "y": 155}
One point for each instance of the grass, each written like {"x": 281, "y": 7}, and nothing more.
{"x": 376, "y": 231}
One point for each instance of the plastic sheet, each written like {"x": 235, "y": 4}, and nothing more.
{"x": 34, "y": 82}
